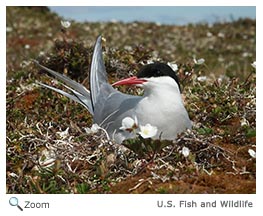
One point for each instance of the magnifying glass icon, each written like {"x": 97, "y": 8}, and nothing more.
{"x": 13, "y": 201}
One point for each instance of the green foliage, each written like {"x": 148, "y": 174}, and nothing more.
{"x": 205, "y": 131}
{"x": 250, "y": 132}
{"x": 146, "y": 147}
{"x": 82, "y": 188}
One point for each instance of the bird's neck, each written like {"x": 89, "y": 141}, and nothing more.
{"x": 163, "y": 94}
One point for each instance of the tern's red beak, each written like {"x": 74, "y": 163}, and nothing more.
{"x": 130, "y": 81}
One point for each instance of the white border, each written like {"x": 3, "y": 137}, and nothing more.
{"x": 126, "y": 204}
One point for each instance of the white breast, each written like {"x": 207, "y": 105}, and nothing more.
{"x": 162, "y": 106}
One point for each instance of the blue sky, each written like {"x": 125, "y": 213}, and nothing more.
{"x": 179, "y": 15}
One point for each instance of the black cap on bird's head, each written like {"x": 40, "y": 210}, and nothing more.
{"x": 158, "y": 69}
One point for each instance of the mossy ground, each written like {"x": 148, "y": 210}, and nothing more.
{"x": 41, "y": 159}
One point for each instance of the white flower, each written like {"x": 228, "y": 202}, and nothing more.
{"x": 201, "y": 78}
{"x": 148, "y": 131}
{"x": 9, "y": 29}
{"x": 94, "y": 129}
{"x": 185, "y": 151}
{"x": 173, "y": 66}
{"x": 64, "y": 133}
{"x": 41, "y": 53}
{"x": 209, "y": 34}
{"x": 246, "y": 54}
{"x": 128, "y": 48}
{"x": 27, "y": 46}
{"x": 149, "y": 61}
{"x": 254, "y": 64}
{"x": 65, "y": 23}
{"x": 252, "y": 153}
{"x": 129, "y": 124}
{"x": 221, "y": 35}
{"x": 199, "y": 61}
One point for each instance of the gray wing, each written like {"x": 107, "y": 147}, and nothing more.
{"x": 111, "y": 110}
{"x": 107, "y": 105}
{"x": 110, "y": 106}
{"x": 79, "y": 93}
{"x": 98, "y": 75}
{"x": 77, "y": 97}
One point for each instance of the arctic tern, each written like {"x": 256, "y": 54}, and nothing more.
{"x": 161, "y": 104}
